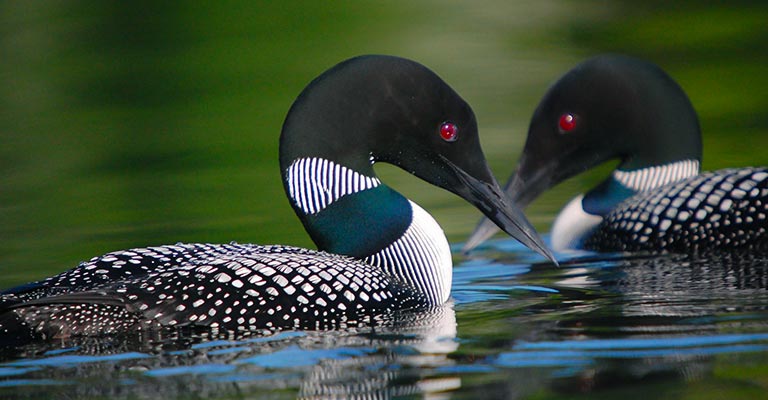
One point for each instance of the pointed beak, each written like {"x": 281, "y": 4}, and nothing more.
{"x": 521, "y": 189}
{"x": 489, "y": 198}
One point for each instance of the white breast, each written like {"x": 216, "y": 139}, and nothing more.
{"x": 573, "y": 225}
{"x": 421, "y": 257}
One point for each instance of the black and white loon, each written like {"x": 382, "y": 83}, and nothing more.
{"x": 618, "y": 107}
{"x": 379, "y": 251}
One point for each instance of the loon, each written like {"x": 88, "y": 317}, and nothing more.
{"x": 378, "y": 252}
{"x": 614, "y": 107}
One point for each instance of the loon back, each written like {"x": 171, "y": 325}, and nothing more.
{"x": 724, "y": 209}
{"x": 232, "y": 287}
{"x": 379, "y": 252}
{"x": 614, "y": 107}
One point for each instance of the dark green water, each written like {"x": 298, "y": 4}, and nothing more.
{"x": 135, "y": 124}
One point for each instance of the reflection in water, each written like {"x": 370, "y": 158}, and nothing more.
{"x": 384, "y": 361}
{"x": 428, "y": 338}
{"x": 642, "y": 319}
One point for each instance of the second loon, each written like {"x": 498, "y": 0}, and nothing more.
{"x": 380, "y": 252}
{"x": 618, "y": 107}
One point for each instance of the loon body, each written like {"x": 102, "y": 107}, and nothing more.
{"x": 616, "y": 107}
{"x": 378, "y": 251}
{"x": 232, "y": 287}
{"x": 722, "y": 209}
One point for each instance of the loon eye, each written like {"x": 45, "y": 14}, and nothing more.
{"x": 449, "y": 131}
{"x": 567, "y": 122}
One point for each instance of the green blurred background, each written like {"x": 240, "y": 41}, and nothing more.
{"x": 141, "y": 123}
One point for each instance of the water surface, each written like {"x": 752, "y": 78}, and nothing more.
{"x": 137, "y": 124}
{"x": 599, "y": 326}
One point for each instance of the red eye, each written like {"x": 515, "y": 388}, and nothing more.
{"x": 567, "y": 122}
{"x": 449, "y": 132}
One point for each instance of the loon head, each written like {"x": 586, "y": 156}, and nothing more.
{"x": 610, "y": 107}
{"x": 383, "y": 109}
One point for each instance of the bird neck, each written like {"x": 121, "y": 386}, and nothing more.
{"x": 352, "y": 213}
{"x": 577, "y": 220}
{"x": 623, "y": 184}
{"x": 654, "y": 176}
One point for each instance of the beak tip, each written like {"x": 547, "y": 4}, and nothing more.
{"x": 550, "y": 256}
{"x": 537, "y": 244}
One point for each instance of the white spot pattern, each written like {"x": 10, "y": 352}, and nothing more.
{"x": 185, "y": 287}
{"x": 667, "y": 219}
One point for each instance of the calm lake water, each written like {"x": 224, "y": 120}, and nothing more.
{"x": 136, "y": 124}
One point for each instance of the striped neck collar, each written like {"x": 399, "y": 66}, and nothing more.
{"x": 314, "y": 183}
{"x": 349, "y": 213}
{"x": 648, "y": 178}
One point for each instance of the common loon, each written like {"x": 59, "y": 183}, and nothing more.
{"x": 618, "y": 107}
{"x": 378, "y": 251}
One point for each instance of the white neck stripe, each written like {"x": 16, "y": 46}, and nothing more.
{"x": 652, "y": 177}
{"x": 314, "y": 183}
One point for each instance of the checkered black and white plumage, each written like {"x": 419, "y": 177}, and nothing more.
{"x": 721, "y": 209}
{"x": 236, "y": 287}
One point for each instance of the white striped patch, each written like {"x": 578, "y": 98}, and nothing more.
{"x": 421, "y": 257}
{"x": 652, "y": 177}
{"x": 314, "y": 183}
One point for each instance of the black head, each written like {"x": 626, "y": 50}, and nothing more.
{"x": 384, "y": 107}
{"x": 389, "y": 109}
{"x": 608, "y": 107}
